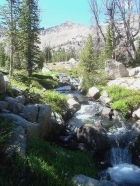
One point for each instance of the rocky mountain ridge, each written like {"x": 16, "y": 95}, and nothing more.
{"x": 67, "y": 34}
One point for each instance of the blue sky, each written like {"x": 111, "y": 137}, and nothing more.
{"x": 55, "y": 12}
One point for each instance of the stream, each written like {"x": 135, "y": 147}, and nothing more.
{"x": 122, "y": 172}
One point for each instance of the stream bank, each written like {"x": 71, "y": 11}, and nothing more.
{"x": 116, "y": 162}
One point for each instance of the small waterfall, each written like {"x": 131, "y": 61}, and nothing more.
{"x": 123, "y": 173}
{"x": 120, "y": 138}
{"x": 118, "y": 155}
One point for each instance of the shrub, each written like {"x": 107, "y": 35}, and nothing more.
{"x": 123, "y": 99}
{"x": 56, "y": 100}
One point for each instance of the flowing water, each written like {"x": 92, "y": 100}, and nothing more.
{"x": 123, "y": 172}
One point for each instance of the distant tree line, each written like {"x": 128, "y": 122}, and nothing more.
{"x": 60, "y": 54}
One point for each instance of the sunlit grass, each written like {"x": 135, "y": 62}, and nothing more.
{"x": 47, "y": 164}
{"x": 123, "y": 99}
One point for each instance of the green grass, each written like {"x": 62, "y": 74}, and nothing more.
{"x": 46, "y": 164}
{"x": 123, "y": 99}
{"x": 34, "y": 85}
{"x": 5, "y": 129}
{"x": 55, "y": 99}
{"x": 20, "y": 79}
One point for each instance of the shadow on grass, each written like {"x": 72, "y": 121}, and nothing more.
{"x": 46, "y": 165}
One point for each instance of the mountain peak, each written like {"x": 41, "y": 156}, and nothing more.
{"x": 68, "y": 23}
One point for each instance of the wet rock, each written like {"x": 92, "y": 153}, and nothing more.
{"x": 105, "y": 113}
{"x": 135, "y": 150}
{"x": 104, "y": 176}
{"x": 64, "y": 79}
{"x": 94, "y": 135}
{"x": 73, "y": 105}
{"x": 84, "y": 180}
{"x": 2, "y": 84}
{"x": 65, "y": 138}
{"x": 104, "y": 165}
{"x": 136, "y": 126}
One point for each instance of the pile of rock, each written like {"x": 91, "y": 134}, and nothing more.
{"x": 29, "y": 119}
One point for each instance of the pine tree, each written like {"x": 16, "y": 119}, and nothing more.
{"x": 28, "y": 33}
{"x": 9, "y": 16}
{"x": 2, "y": 55}
{"x": 108, "y": 48}
{"x": 87, "y": 57}
{"x": 88, "y": 64}
{"x": 48, "y": 54}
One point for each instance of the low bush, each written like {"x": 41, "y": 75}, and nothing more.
{"x": 56, "y": 100}
{"x": 123, "y": 99}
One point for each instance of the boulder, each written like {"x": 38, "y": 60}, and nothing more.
{"x": 11, "y": 99}
{"x": 136, "y": 114}
{"x": 135, "y": 151}
{"x": 64, "y": 79}
{"x": 56, "y": 118}
{"x": 135, "y": 72}
{"x": 30, "y": 112}
{"x": 57, "y": 124}
{"x": 81, "y": 179}
{"x": 104, "y": 100}
{"x": 31, "y": 129}
{"x": 115, "y": 69}
{"x": 93, "y": 92}
{"x": 3, "y": 105}
{"x": 95, "y": 135}
{"x": 2, "y": 84}
{"x": 72, "y": 61}
{"x": 45, "y": 69}
{"x": 17, "y": 142}
{"x": 15, "y": 107}
{"x": 73, "y": 105}
{"x": 71, "y": 96}
{"x": 44, "y": 118}
{"x": 6, "y": 79}
{"x": 136, "y": 126}
{"x": 105, "y": 113}
{"x": 21, "y": 99}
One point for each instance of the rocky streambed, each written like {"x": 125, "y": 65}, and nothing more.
{"x": 110, "y": 142}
